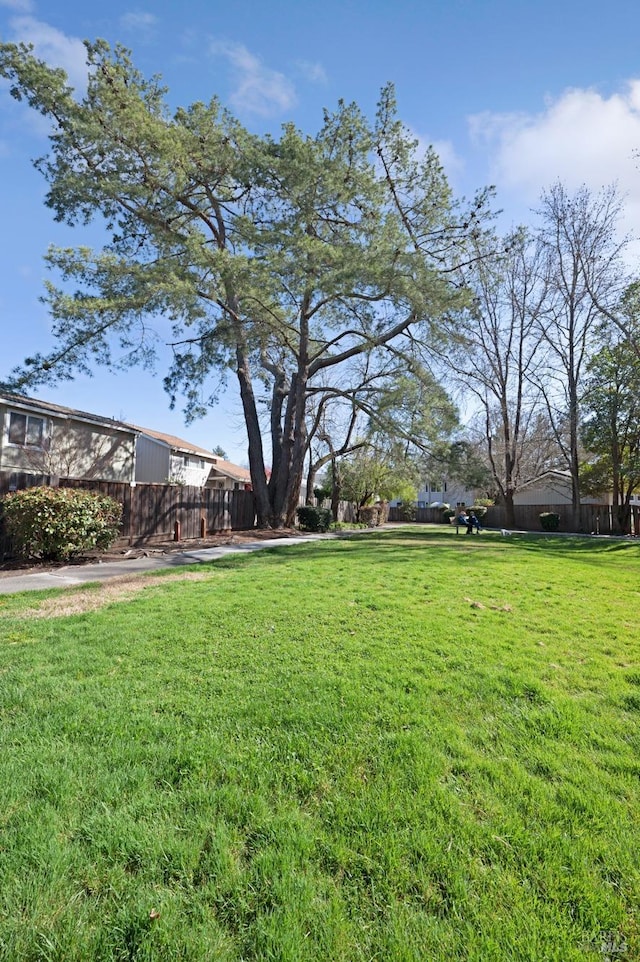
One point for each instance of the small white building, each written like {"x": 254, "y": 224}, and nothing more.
{"x": 552, "y": 487}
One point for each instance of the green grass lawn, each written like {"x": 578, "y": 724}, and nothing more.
{"x": 403, "y": 745}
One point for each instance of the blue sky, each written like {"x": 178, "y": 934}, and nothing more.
{"x": 514, "y": 93}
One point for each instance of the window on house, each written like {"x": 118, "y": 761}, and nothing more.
{"x": 26, "y": 430}
{"x": 185, "y": 460}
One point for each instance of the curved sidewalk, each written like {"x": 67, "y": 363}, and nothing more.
{"x": 71, "y": 575}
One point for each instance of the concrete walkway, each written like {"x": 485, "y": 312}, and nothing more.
{"x": 66, "y": 577}
{"x": 71, "y": 575}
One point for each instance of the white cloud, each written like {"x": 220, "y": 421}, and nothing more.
{"x": 580, "y": 138}
{"x": 258, "y": 89}
{"x": 314, "y": 72}
{"x": 54, "y": 47}
{"x": 21, "y": 6}
{"x": 450, "y": 160}
{"x": 138, "y": 22}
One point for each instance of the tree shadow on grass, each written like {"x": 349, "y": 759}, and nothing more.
{"x": 400, "y": 547}
{"x": 534, "y": 541}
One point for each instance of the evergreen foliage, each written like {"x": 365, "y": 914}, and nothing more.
{"x": 550, "y": 521}
{"x": 56, "y": 524}
{"x": 311, "y": 518}
{"x": 297, "y": 262}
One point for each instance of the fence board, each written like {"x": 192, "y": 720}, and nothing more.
{"x": 594, "y": 518}
{"x": 242, "y": 511}
{"x": 150, "y": 511}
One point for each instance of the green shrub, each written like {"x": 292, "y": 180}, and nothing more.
{"x": 314, "y": 519}
{"x": 550, "y": 521}
{"x": 407, "y": 511}
{"x": 449, "y": 513}
{"x": 479, "y": 510}
{"x": 55, "y": 524}
{"x": 322, "y": 493}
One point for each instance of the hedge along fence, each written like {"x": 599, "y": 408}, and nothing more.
{"x": 373, "y": 515}
{"x": 56, "y": 524}
{"x": 153, "y": 512}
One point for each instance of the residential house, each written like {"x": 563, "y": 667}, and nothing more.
{"x": 37, "y": 437}
{"x": 164, "y": 457}
{"x": 445, "y": 492}
{"x": 437, "y": 493}
{"x": 552, "y": 487}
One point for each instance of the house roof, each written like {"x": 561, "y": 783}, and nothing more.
{"x": 552, "y": 476}
{"x": 222, "y": 467}
{"x": 225, "y": 468}
{"x": 58, "y": 410}
{"x": 178, "y": 444}
{"x": 233, "y": 471}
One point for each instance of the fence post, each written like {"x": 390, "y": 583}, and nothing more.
{"x": 131, "y": 495}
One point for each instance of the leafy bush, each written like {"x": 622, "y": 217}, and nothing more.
{"x": 449, "y": 513}
{"x": 550, "y": 521}
{"x": 407, "y": 511}
{"x": 314, "y": 519}
{"x": 322, "y": 493}
{"x": 374, "y": 515}
{"x": 55, "y": 524}
{"x": 479, "y": 510}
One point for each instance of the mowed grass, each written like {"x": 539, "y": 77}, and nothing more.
{"x": 403, "y": 745}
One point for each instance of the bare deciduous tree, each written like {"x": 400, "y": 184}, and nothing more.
{"x": 585, "y": 277}
{"x": 497, "y": 354}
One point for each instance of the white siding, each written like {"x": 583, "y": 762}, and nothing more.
{"x": 189, "y": 469}
{"x": 68, "y": 447}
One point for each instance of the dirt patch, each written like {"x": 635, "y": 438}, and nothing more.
{"x": 75, "y": 601}
{"x": 152, "y": 550}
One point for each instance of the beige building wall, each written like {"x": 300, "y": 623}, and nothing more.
{"x": 543, "y": 494}
{"x": 67, "y": 448}
{"x": 554, "y": 492}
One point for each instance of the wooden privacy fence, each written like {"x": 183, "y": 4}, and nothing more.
{"x": 594, "y": 518}
{"x": 163, "y": 511}
{"x": 155, "y": 512}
